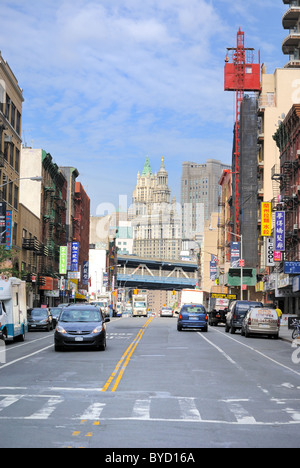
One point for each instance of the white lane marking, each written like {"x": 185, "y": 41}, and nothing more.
{"x": 219, "y": 349}
{"x": 25, "y": 357}
{"x": 259, "y": 352}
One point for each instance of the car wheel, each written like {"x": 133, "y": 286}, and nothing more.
{"x": 179, "y": 328}
{"x": 58, "y": 348}
{"x": 102, "y": 347}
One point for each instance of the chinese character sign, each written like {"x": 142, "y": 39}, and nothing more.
{"x": 266, "y": 219}
{"x": 8, "y": 229}
{"x": 280, "y": 231}
{"x": 63, "y": 260}
{"x": 85, "y": 273}
{"x": 74, "y": 256}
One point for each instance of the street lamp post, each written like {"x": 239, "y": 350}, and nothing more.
{"x": 35, "y": 178}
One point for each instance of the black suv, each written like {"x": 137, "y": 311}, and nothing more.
{"x": 236, "y": 314}
{"x": 81, "y": 325}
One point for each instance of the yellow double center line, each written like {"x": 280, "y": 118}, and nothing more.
{"x": 122, "y": 364}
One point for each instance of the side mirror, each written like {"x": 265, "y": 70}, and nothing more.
{"x": 107, "y": 319}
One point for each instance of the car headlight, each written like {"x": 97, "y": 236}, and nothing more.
{"x": 60, "y": 329}
{"x": 98, "y": 329}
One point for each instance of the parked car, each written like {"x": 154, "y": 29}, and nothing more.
{"x": 262, "y": 321}
{"x": 236, "y": 314}
{"x": 39, "y": 318}
{"x": 166, "y": 312}
{"x": 192, "y": 316}
{"x": 81, "y": 325}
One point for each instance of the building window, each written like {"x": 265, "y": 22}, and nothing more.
{"x": 15, "y": 229}
{"x": 10, "y": 192}
{"x": 16, "y": 196}
{"x": 18, "y": 125}
{"x": 17, "y": 160}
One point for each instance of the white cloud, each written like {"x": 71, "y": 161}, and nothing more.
{"x": 114, "y": 81}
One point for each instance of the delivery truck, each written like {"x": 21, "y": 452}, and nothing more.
{"x": 13, "y": 309}
{"x": 191, "y": 296}
{"x": 139, "y": 305}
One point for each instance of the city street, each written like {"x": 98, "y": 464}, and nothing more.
{"x": 153, "y": 387}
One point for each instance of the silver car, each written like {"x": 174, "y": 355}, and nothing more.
{"x": 166, "y": 312}
{"x": 262, "y": 321}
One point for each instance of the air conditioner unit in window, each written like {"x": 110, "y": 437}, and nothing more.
{"x": 7, "y": 139}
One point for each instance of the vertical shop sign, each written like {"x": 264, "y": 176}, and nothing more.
{"x": 2, "y": 222}
{"x": 280, "y": 231}
{"x": 74, "y": 256}
{"x": 85, "y": 273}
{"x": 63, "y": 260}
{"x": 270, "y": 252}
{"x": 266, "y": 219}
{"x": 235, "y": 254}
{"x": 8, "y": 229}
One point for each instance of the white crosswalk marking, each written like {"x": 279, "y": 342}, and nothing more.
{"x": 150, "y": 408}
{"x": 141, "y": 409}
{"x": 47, "y": 409}
{"x": 7, "y": 401}
{"x": 188, "y": 409}
{"x": 241, "y": 414}
{"x": 93, "y": 411}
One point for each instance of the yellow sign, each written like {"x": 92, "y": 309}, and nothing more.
{"x": 266, "y": 219}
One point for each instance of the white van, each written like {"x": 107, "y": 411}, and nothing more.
{"x": 13, "y": 310}
{"x": 259, "y": 320}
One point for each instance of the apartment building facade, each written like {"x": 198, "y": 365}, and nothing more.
{"x": 11, "y": 101}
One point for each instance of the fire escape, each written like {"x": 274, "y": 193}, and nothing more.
{"x": 288, "y": 178}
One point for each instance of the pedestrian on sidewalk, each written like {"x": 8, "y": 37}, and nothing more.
{"x": 279, "y": 312}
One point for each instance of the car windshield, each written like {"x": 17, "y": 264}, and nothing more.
{"x": 140, "y": 304}
{"x": 193, "y": 309}
{"x": 36, "y": 313}
{"x": 80, "y": 316}
{"x": 243, "y": 308}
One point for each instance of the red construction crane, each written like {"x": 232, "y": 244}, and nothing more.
{"x": 241, "y": 74}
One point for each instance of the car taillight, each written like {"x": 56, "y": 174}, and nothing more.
{"x": 249, "y": 321}
{"x": 234, "y": 317}
{"x": 180, "y": 316}
{"x": 206, "y": 317}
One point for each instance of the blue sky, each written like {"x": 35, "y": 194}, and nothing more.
{"x": 108, "y": 82}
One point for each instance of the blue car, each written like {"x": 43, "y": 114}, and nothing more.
{"x": 192, "y": 316}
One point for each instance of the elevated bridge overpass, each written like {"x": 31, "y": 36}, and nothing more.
{"x": 143, "y": 273}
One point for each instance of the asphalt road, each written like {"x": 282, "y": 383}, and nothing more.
{"x": 153, "y": 387}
